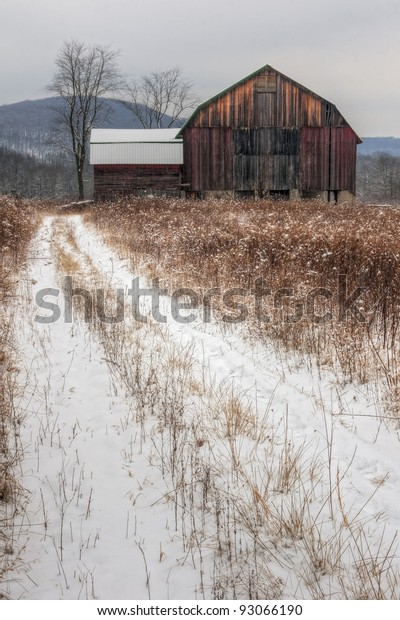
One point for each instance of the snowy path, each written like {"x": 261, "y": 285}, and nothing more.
{"x": 99, "y": 523}
{"x": 84, "y": 470}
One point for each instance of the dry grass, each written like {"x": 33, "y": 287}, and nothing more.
{"x": 18, "y": 221}
{"x": 296, "y": 249}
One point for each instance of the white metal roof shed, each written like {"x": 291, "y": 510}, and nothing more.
{"x": 135, "y": 146}
{"x": 109, "y": 136}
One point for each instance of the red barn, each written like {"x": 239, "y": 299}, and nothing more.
{"x": 267, "y": 135}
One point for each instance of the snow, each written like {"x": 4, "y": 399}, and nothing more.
{"x": 102, "y": 517}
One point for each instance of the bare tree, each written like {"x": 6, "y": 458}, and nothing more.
{"x": 159, "y": 98}
{"x": 378, "y": 177}
{"x": 83, "y": 77}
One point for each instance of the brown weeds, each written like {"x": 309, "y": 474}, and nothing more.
{"x": 18, "y": 221}
{"x": 320, "y": 279}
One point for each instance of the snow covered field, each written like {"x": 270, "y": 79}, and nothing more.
{"x": 181, "y": 461}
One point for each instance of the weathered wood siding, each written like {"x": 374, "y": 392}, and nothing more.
{"x": 258, "y": 103}
{"x": 328, "y": 158}
{"x": 314, "y": 158}
{"x": 224, "y": 159}
{"x": 343, "y": 159}
{"x": 115, "y": 180}
{"x": 208, "y": 158}
{"x": 266, "y": 159}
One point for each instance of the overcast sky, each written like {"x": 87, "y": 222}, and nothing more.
{"x": 347, "y": 51}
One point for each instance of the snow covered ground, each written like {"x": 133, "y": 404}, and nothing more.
{"x": 181, "y": 461}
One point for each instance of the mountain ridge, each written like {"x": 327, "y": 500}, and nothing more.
{"x": 379, "y": 144}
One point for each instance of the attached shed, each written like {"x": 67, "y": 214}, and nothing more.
{"x": 135, "y": 161}
{"x": 267, "y": 135}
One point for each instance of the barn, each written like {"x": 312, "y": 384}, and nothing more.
{"x": 267, "y": 135}
{"x": 135, "y": 161}
{"x": 264, "y": 136}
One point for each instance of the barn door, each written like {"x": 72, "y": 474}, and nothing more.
{"x": 315, "y": 156}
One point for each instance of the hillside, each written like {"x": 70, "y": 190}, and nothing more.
{"x": 30, "y": 127}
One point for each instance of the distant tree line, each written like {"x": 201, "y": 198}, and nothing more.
{"x": 54, "y": 176}
{"x": 378, "y": 178}
{"x": 30, "y": 176}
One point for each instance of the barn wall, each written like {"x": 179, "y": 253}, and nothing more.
{"x": 112, "y": 181}
{"x": 224, "y": 159}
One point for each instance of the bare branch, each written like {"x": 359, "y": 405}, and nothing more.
{"x": 159, "y": 99}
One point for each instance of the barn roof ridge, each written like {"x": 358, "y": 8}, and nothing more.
{"x": 137, "y": 136}
{"x": 248, "y": 77}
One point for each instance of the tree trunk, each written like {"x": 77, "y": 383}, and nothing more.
{"x": 80, "y": 185}
{"x": 79, "y": 170}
